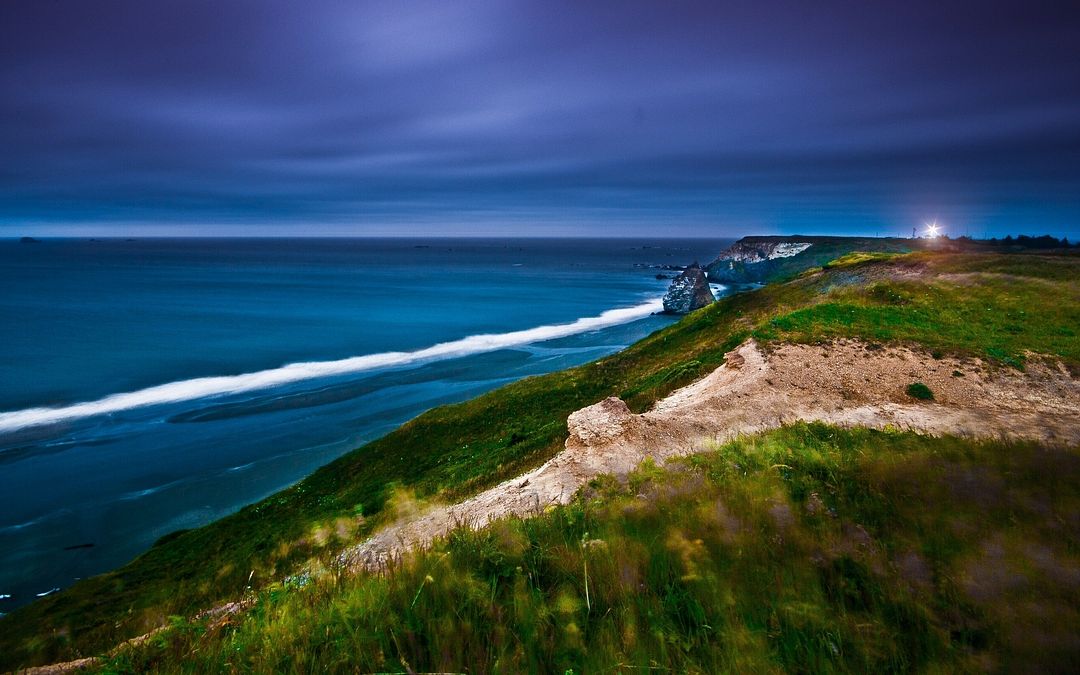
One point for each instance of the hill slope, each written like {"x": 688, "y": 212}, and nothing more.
{"x": 987, "y": 306}
{"x": 849, "y": 383}
{"x": 808, "y": 549}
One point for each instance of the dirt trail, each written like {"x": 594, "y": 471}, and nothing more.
{"x": 847, "y": 383}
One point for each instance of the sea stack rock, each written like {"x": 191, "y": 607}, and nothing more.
{"x": 689, "y": 291}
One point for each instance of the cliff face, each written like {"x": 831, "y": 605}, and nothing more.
{"x": 749, "y": 259}
{"x": 760, "y": 251}
{"x": 761, "y": 259}
{"x": 689, "y": 291}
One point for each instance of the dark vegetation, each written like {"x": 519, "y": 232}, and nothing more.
{"x": 990, "y": 306}
{"x": 1024, "y": 242}
{"x": 807, "y": 549}
{"x": 920, "y": 391}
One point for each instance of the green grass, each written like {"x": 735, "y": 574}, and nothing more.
{"x": 858, "y": 258}
{"x": 998, "y": 310}
{"x": 808, "y": 549}
{"x": 1004, "y": 308}
{"x": 1060, "y": 267}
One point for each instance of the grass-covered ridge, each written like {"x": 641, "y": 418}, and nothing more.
{"x": 857, "y": 258}
{"x": 1000, "y": 308}
{"x": 810, "y": 549}
{"x": 992, "y": 306}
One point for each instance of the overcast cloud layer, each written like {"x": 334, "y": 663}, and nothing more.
{"x": 679, "y": 118}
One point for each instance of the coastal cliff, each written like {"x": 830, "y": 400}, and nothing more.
{"x": 763, "y": 259}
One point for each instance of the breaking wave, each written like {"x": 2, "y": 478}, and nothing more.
{"x": 187, "y": 390}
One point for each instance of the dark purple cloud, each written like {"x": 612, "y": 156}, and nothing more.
{"x": 267, "y": 116}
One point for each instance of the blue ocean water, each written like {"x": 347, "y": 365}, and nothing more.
{"x": 152, "y": 385}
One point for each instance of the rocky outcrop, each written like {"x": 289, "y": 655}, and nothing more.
{"x": 689, "y": 291}
{"x": 748, "y": 251}
{"x": 598, "y": 423}
{"x": 754, "y": 260}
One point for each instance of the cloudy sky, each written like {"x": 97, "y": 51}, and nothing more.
{"x": 500, "y": 117}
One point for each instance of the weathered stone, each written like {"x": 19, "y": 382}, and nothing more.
{"x": 689, "y": 291}
{"x": 598, "y": 423}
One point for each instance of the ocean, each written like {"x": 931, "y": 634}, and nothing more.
{"x": 153, "y": 385}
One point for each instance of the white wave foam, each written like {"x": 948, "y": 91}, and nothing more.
{"x": 187, "y": 390}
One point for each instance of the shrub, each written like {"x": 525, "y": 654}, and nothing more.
{"x": 920, "y": 391}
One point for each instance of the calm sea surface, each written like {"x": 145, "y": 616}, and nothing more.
{"x": 148, "y": 386}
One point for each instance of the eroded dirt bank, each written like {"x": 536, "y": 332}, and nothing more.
{"x": 846, "y": 383}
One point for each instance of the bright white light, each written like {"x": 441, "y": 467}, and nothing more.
{"x": 932, "y": 229}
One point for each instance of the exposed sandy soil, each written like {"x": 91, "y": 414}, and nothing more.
{"x": 60, "y": 668}
{"x": 846, "y": 383}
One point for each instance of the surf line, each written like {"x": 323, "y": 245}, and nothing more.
{"x": 202, "y": 387}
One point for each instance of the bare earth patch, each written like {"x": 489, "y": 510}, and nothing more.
{"x": 847, "y": 383}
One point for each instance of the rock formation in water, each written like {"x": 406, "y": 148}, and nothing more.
{"x": 689, "y": 291}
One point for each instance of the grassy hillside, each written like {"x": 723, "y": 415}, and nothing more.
{"x": 988, "y": 305}
{"x": 1001, "y": 308}
{"x": 809, "y": 549}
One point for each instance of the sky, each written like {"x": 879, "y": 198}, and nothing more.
{"x": 271, "y": 117}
